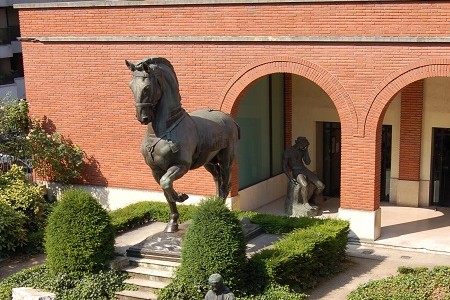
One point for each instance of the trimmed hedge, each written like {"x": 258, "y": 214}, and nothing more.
{"x": 12, "y": 230}
{"x": 278, "y": 224}
{"x": 79, "y": 237}
{"x": 305, "y": 255}
{"x": 140, "y": 213}
{"x": 214, "y": 243}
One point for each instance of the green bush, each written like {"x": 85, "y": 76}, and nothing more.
{"x": 412, "y": 284}
{"x": 23, "y": 197}
{"x": 34, "y": 243}
{"x": 214, "y": 243}
{"x": 304, "y": 255}
{"x": 97, "y": 286}
{"x": 79, "y": 236}
{"x": 12, "y": 230}
{"x": 278, "y": 224}
{"x": 143, "y": 212}
{"x": 275, "y": 292}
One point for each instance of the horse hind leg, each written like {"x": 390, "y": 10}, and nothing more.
{"x": 214, "y": 169}
{"x": 225, "y": 160}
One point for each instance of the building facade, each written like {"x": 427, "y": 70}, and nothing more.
{"x": 367, "y": 82}
{"x": 11, "y": 65}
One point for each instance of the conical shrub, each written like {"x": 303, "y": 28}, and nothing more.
{"x": 79, "y": 237}
{"x": 214, "y": 243}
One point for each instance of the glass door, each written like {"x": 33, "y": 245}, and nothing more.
{"x": 332, "y": 158}
{"x": 386, "y": 149}
{"x": 440, "y": 168}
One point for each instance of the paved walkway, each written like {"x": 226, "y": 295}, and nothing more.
{"x": 409, "y": 237}
{"x": 11, "y": 266}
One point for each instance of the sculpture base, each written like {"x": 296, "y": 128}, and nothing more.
{"x": 167, "y": 245}
{"x": 250, "y": 230}
{"x": 161, "y": 245}
{"x": 295, "y": 206}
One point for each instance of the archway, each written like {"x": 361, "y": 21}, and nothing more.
{"x": 298, "y": 76}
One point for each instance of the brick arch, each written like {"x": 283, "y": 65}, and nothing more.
{"x": 229, "y": 98}
{"x": 378, "y": 103}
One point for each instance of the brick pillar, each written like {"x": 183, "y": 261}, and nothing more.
{"x": 410, "y": 144}
{"x": 360, "y": 174}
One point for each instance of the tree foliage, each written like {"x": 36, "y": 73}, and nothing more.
{"x": 53, "y": 157}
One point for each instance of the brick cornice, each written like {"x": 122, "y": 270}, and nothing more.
{"x": 245, "y": 39}
{"x": 60, "y": 4}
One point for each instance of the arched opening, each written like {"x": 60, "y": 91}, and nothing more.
{"x": 415, "y": 213}
{"x": 419, "y": 166}
{"x": 274, "y": 110}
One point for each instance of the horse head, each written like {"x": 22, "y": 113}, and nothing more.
{"x": 147, "y": 85}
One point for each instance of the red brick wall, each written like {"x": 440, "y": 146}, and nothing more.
{"x": 411, "y": 131}
{"x": 400, "y": 18}
{"x": 83, "y": 86}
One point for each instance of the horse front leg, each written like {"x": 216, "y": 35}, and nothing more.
{"x": 172, "y": 197}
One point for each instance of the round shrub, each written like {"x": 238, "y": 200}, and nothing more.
{"x": 214, "y": 243}
{"x": 79, "y": 237}
{"x": 12, "y": 231}
{"x": 23, "y": 196}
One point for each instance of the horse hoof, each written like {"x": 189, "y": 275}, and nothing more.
{"x": 171, "y": 228}
{"x": 182, "y": 197}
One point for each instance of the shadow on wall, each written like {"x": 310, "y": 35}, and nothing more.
{"x": 98, "y": 182}
{"x": 48, "y": 125}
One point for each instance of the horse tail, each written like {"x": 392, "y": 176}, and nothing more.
{"x": 238, "y": 129}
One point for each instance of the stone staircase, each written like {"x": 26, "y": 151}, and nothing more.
{"x": 147, "y": 274}
{"x": 151, "y": 263}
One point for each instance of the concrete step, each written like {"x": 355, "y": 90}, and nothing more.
{"x": 135, "y": 295}
{"x": 145, "y": 285}
{"x": 153, "y": 263}
{"x": 149, "y": 274}
{"x": 132, "y": 252}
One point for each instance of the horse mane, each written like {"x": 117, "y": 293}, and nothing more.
{"x": 159, "y": 62}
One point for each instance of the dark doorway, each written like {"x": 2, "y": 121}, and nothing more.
{"x": 332, "y": 158}
{"x": 386, "y": 149}
{"x": 440, "y": 168}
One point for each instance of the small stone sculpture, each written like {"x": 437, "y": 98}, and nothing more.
{"x": 218, "y": 289}
{"x": 303, "y": 183}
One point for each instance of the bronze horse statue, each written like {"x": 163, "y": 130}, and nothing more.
{"x": 175, "y": 141}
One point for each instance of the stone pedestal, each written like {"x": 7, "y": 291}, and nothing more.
{"x": 167, "y": 246}
{"x": 295, "y": 205}
{"x": 162, "y": 245}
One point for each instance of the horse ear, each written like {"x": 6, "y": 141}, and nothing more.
{"x": 146, "y": 68}
{"x": 130, "y": 66}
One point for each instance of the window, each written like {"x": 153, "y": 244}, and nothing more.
{"x": 261, "y": 118}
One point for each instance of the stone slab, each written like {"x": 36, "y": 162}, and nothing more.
{"x": 24, "y": 293}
